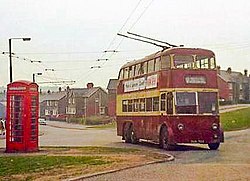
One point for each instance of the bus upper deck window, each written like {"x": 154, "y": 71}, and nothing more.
{"x": 131, "y": 71}
{"x": 121, "y": 74}
{"x": 143, "y": 68}
{"x": 183, "y": 61}
{"x": 165, "y": 62}
{"x": 212, "y": 63}
{"x": 150, "y": 66}
{"x": 157, "y": 64}
{"x": 137, "y": 69}
{"x": 126, "y": 73}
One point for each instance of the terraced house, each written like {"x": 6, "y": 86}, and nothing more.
{"x": 234, "y": 87}
{"x": 86, "y": 102}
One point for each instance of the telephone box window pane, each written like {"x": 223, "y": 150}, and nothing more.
{"x": 33, "y": 118}
{"x": 16, "y": 111}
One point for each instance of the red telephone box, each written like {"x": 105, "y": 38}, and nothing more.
{"x": 22, "y": 117}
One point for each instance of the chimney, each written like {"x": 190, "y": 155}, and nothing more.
{"x": 218, "y": 70}
{"x": 90, "y": 85}
{"x": 229, "y": 70}
{"x": 245, "y": 72}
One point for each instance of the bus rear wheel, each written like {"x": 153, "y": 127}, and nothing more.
{"x": 129, "y": 134}
{"x": 126, "y": 133}
{"x": 164, "y": 139}
{"x": 213, "y": 146}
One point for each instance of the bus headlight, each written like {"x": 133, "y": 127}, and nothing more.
{"x": 180, "y": 126}
{"x": 214, "y": 126}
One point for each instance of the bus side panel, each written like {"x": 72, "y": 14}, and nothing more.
{"x": 145, "y": 127}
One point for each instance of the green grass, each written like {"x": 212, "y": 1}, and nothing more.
{"x": 106, "y": 150}
{"x": 91, "y": 149}
{"x": 235, "y": 120}
{"x": 104, "y": 126}
{"x": 11, "y": 165}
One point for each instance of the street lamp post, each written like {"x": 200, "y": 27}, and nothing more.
{"x": 24, "y": 39}
{"x": 34, "y": 75}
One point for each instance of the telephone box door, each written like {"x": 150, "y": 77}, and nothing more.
{"x": 16, "y": 122}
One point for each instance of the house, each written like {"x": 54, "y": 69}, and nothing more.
{"x": 53, "y": 104}
{"x": 86, "y": 102}
{"x": 112, "y": 86}
{"x": 2, "y": 104}
{"x": 234, "y": 87}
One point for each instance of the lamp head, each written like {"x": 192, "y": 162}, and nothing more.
{"x": 26, "y": 39}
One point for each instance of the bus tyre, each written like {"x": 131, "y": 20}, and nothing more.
{"x": 127, "y": 134}
{"x": 133, "y": 138}
{"x": 164, "y": 139}
{"x": 213, "y": 146}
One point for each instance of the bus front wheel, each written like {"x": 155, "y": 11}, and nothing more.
{"x": 164, "y": 139}
{"x": 213, "y": 146}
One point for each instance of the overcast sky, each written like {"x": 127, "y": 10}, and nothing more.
{"x": 69, "y": 36}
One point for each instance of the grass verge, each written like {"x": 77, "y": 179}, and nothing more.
{"x": 235, "y": 120}
{"x": 13, "y": 165}
{"x": 104, "y": 126}
{"x": 58, "y": 163}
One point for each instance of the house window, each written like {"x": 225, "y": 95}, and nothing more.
{"x": 230, "y": 85}
{"x": 102, "y": 110}
{"x": 46, "y": 112}
{"x": 241, "y": 97}
{"x": 54, "y": 112}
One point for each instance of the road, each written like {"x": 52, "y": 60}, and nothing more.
{"x": 196, "y": 162}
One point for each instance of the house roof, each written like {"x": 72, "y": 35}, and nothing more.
{"x": 85, "y": 92}
{"x": 112, "y": 84}
{"x": 230, "y": 77}
{"x": 54, "y": 96}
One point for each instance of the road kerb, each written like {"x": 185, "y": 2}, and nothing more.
{"x": 170, "y": 158}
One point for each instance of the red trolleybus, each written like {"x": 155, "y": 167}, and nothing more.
{"x": 170, "y": 97}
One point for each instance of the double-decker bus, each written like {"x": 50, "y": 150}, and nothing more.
{"x": 170, "y": 97}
